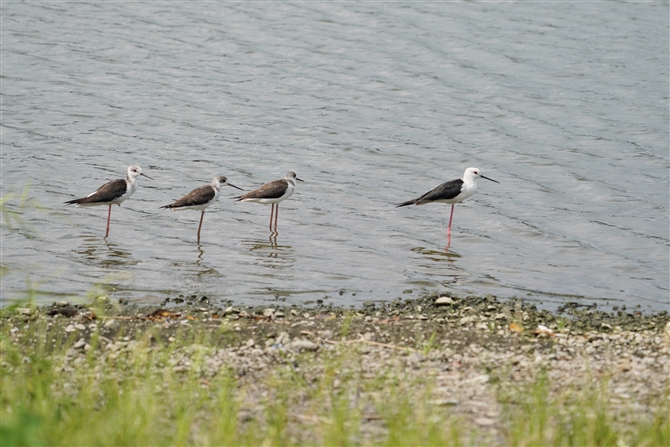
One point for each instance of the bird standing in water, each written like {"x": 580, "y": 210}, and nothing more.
{"x": 112, "y": 193}
{"x": 200, "y": 198}
{"x": 451, "y": 192}
{"x": 273, "y": 193}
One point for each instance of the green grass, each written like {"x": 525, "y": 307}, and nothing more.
{"x": 138, "y": 396}
{"x": 536, "y": 414}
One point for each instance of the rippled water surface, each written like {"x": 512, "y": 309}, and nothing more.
{"x": 565, "y": 104}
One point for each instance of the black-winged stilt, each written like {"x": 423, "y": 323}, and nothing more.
{"x": 200, "y": 198}
{"x": 112, "y": 193}
{"x": 451, "y": 192}
{"x": 273, "y": 193}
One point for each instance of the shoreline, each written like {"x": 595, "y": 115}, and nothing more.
{"x": 471, "y": 360}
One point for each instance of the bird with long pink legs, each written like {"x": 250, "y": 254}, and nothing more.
{"x": 112, "y": 193}
{"x": 200, "y": 198}
{"x": 273, "y": 193}
{"x": 451, "y": 192}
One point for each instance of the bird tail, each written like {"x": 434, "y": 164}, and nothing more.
{"x": 165, "y": 206}
{"x": 409, "y": 202}
{"x": 73, "y": 202}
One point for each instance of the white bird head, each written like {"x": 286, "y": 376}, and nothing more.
{"x": 475, "y": 173}
{"x": 135, "y": 171}
{"x": 292, "y": 176}
{"x": 220, "y": 180}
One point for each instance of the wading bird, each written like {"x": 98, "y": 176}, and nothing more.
{"x": 273, "y": 193}
{"x": 451, "y": 192}
{"x": 200, "y": 198}
{"x": 112, "y": 193}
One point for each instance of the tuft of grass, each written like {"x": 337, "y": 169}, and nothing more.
{"x": 536, "y": 414}
{"x": 429, "y": 344}
{"x": 411, "y": 419}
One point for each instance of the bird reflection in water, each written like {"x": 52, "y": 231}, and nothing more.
{"x": 110, "y": 256}
{"x": 440, "y": 266}
{"x": 437, "y": 255}
{"x": 270, "y": 253}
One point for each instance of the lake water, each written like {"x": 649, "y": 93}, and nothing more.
{"x": 564, "y": 103}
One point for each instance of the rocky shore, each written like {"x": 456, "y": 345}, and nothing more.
{"x": 467, "y": 354}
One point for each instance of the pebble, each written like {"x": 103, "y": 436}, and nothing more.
{"x": 444, "y": 301}
{"x": 70, "y": 328}
{"x": 327, "y": 334}
{"x": 369, "y": 336}
{"x": 415, "y": 358}
{"x": 485, "y": 422}
{"x": 303, "y": 345}
{"x": 445, "y": 402}
{"x": 283, "y": 338}
{"x": 468, "y": 319}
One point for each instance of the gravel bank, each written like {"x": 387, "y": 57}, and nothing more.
{"x": 470, "y": 349}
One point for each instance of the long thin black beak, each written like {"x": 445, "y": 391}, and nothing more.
{"x": 229, "y": 184}
{"x": 146, "y": 176}
{"x": 299, "y": 179}
{"x": 490, "y": 179}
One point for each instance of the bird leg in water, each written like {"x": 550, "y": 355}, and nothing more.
{"x": 451, "y": 217}
{"x": 272, "y": 212}
{"x": 202, "y": 216}
{"x": 276, "y": 216}
{"x": 109, "y": 217}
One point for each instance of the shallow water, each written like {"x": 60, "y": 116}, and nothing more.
{"x": 566, "y": 105}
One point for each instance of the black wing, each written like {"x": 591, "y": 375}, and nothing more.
{"x": 272, "y": 190}
{"x": 198, "y": 196}
{"x": 106, "y": 193}
{"x": 445, "y": 191}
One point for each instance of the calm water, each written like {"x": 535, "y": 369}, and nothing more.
{"x": 565, "y": 104}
